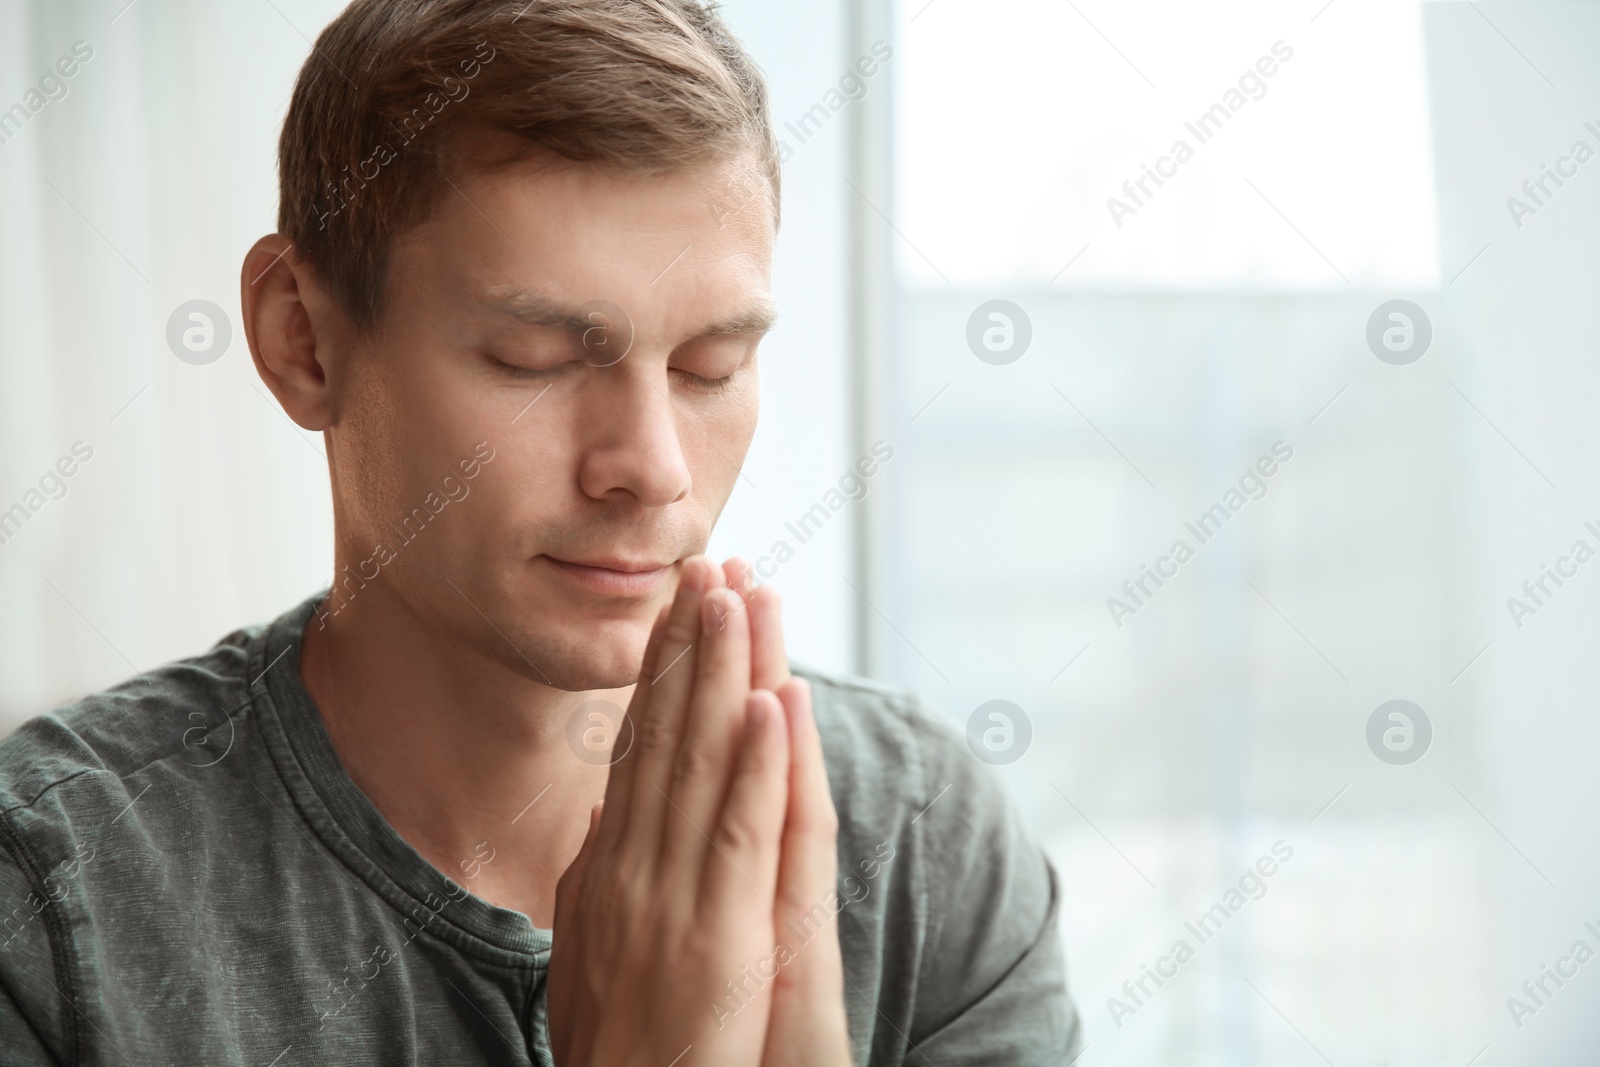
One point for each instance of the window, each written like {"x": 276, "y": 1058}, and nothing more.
{"x": 1185, "y": 713}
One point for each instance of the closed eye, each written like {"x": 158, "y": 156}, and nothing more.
{"x": 516, "y": 370}
{"x": 705, "y": 385}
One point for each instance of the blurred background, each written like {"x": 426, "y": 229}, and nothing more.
{"x": 1150, "y": 345}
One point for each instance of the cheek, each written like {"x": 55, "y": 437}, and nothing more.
{"x": 405, "y": 426}
{"x": 715, "y": 442}
{"x": 369, "y": 437}
{"x": 446, "y": 391}
{"x": 714, "y": 451}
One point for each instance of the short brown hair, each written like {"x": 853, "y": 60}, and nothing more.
{"x": 644, "y": 85}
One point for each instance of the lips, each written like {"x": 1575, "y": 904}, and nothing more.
{"x": 611, "y": 576}
{"x": 612, "y": 563}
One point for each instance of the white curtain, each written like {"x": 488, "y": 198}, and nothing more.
{"x": 138, "y": 190}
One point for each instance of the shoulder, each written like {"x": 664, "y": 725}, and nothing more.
{"x": 76, "y": 829}
{"x": 879, "y": 738}
{"x": 106, "y": 747}
{"x": 892, "y": 755}
{"x": 964, "y": 896}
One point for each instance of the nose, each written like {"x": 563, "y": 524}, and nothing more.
{"x": 632, "y": 443}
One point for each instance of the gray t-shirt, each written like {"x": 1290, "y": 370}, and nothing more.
{"x": 188, "y": 876}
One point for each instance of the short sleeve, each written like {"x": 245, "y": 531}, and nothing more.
{"x": 992, "y": 988}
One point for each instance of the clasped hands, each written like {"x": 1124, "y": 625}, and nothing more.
{"x": 676, "y": 926}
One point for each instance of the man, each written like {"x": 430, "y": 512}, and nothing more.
{"x": 522, "y": 271}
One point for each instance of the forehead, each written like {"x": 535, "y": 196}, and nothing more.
{"x": 677, "y": 251}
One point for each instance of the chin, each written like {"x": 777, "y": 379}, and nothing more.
{"x": 605, "y": 657}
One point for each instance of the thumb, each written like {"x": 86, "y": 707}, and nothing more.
{"x": 572, "y": 879}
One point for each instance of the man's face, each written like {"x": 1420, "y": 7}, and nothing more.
{"x": 607, "y": 468}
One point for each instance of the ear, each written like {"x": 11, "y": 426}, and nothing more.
{"x": 288, "y": 326}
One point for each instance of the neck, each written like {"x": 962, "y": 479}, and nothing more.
{"x": 467, "y": 759}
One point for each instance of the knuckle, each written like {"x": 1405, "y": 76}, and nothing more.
{"x": 739, "y": 833}
{"x": 694, "y": 762}
{"x": 682, "y": 627}
{"x": 705, "y": 950}
{"x": 709, "y": 663}
{"x": 656, "y": 733}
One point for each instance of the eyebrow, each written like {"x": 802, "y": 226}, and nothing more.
{"x": 536, "y": 310}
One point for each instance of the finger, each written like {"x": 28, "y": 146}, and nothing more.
{"x": 809, "y": 861}
{"x": 769, "y": 661}
{"x": 742, "y": 868}
{"x": 665, "y": 707}
{"x": 741, "y": 578}
{"x": 568, "y": 936}
{"x": 619, "y": 782}
{"x": 571, "y": 881}
{"x": 807, "y": 872}
{"x": 709, "y": 744}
